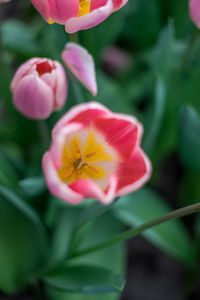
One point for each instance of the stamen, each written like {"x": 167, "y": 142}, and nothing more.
{"x": 51, "y": 21}
{"x": 90, "y": 154}
{"x": 84, "y": 7}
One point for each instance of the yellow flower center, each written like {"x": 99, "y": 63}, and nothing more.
{"x": 83, "y": 162}
{"x": 84, "y": 7}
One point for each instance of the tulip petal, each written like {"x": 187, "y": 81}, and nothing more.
{"x": 55, "y": 185}
{"x": 22, "y": 71}
{"x": 122, "y": 134}
{"x": 83, "y": 114}
{"x": 81, "y": 64}
{"x": 43, "y": 7}
{"x": 59, "y": 140}
{"x": 134, "y": 173}
{"x": 194, "y": 7}
{"x": 61, "y": 86}
{"x": 89, "y": 20}
{"x": 97, "y": 3}
{"x": 119, "y": 4}
{"x": 62, "y": 10}
{"x": 33, "y": 98}
{"x": 89, "y": 189}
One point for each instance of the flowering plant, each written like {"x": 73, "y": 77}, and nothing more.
{"x": 99, "y": 143}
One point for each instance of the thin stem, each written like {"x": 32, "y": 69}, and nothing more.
{"x": 188, "y": 51}
{"x": 136, "y": 231}
{"x": 74, "y": 38}
{"x": 44, "y": 133}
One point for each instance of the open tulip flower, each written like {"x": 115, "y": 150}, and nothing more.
{"x": 95, "y": 153}
{"x": 77, "y": 14}
{"x": 39, "y": 87}
{"x": 81, "y": 64}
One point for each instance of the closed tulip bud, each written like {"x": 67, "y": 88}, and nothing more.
{"x": 39, "y": 87}
{"x": 77, "y": 14}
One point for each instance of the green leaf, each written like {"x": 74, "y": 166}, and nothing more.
{"x": 8, "y": 176}
{"x": 145, "y": 205}
{"x": 62, "y": 236}
{"x": 18, "y": 37}
{"x": 167, "y": 53}
{"x": 113, "y": 257}
{"x": 156, "y": 117}
{"x": 22, "y": 241}
{"x": 85, "y": 279}
{"x": 33, "y": 187}
{"x": 189, "y": 138}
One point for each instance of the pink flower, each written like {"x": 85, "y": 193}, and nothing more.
{"x": 194, "y": 9}
{"x": 77, "y": 14}
{"x": 81, "y": 64}
{"x": 39, "y": 87}
{"x": 95, "y": 153}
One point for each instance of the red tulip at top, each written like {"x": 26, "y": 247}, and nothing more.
{"x": 95, "y": 153}
{"x": 77, "y": 14}
{"x": 39, "y": 87}
{"x": 194, "y": 9}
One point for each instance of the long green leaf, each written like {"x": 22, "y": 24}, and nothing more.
{"x": 85, "y": 279}
{"x": 22, "y": 241}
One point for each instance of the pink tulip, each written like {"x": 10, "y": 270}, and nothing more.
{"x": 39, "y": 87}
{"x": 77, "y": 14}
{"x": 194, "y": 9}
{"x": 95, "y": 153}
{"x": 81, "y": 64}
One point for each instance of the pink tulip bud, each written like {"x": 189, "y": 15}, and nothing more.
{"x": 39, "y": 87}
{"x": 77, "y": 14}
{"x": 81, "y": 64}
{"x": 95, "y": 153}
{"x": 194, "y": 9}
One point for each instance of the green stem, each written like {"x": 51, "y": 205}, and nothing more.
{"x": 136, "y": 231}
{"x": 188, "y": 51}
{"x": 74, "y": 38}
{"x": 44, "y": 133}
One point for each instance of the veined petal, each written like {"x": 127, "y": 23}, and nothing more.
{"x": 119, "y": 132}
{"x": 134, "y": 173}
{"x": 82, "y": 114}
{"x": 81, "y": 64}
{"x": 89, "y": 20}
